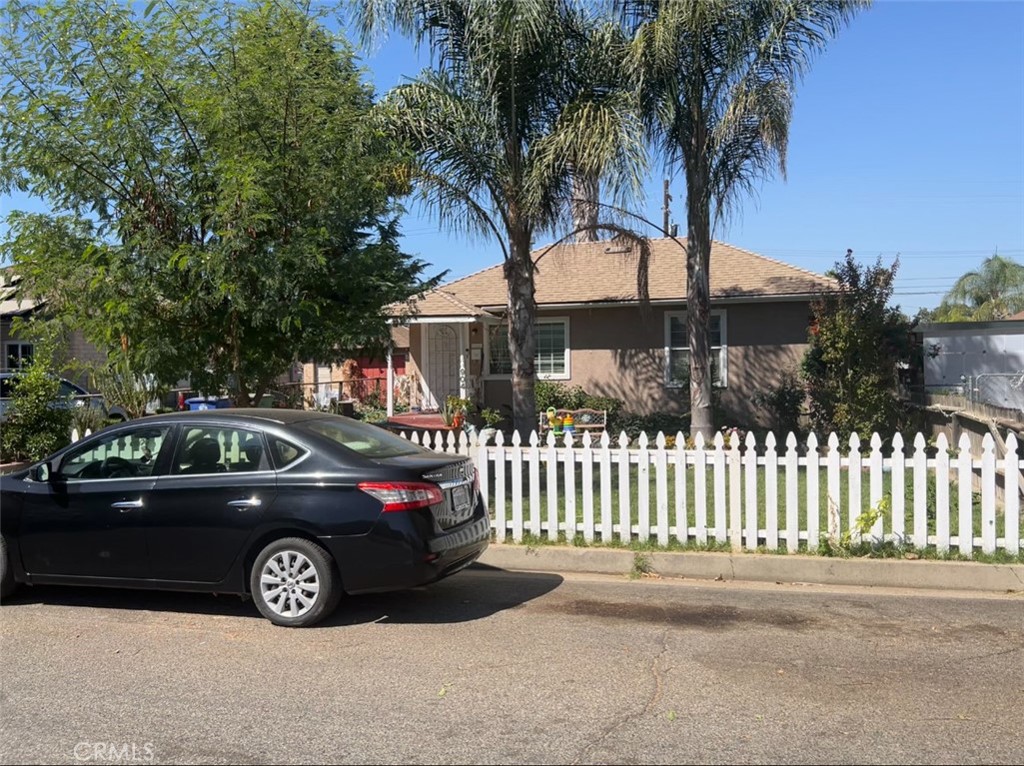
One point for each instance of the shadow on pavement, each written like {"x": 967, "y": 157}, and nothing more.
{"x": 470, "y": 595}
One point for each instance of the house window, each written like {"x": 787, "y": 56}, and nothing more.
{"x": 17, "y": 355}
{"x": 677, "y": 349}
{"x": 552, "y": 359}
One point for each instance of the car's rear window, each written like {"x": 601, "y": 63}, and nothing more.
{"x": 369, "y": 441}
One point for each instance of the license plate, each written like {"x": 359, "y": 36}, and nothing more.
{"x": 460, "y": 499}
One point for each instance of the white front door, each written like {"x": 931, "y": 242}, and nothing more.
{"x": 442, "y": 363}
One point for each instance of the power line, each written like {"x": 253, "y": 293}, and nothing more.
{"x": 822, "y": 251}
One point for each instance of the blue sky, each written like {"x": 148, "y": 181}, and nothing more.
{"x": 907, "y": 138}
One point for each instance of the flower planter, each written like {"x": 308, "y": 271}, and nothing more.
{"x": 6, "y": 468}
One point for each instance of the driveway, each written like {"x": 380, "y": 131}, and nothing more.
{"x": 498, "y": 667}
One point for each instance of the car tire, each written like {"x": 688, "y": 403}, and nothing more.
{"x": 294, "y": 583}
{"x": 7, "y": 583}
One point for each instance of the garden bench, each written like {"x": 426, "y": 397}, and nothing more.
{"x": 594, "y": 421}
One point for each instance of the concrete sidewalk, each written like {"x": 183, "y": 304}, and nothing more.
{"x": 891, "y": 573}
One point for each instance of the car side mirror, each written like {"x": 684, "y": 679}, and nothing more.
{"x": 43, "y": 473}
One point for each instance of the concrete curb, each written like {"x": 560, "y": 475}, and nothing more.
{"x": 887, "y": 573}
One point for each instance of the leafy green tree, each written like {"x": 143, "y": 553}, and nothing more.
{"x": 716, "y": 79}
{"x": 994, "y": 291}
{"x": 857, "y": 343}
{"x": 524, "y": 98}
{"x": 221, "y": 205}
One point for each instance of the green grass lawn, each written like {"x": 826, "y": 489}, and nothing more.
{"x": 691, "y": 512}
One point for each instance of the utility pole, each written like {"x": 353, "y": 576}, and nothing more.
{"x": 664, "y": 210}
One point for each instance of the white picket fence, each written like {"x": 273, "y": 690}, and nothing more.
{"x": 750, "y": 497}
{"x": 747, "y": 498}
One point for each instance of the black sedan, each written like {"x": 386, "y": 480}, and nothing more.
{"x": 292, "y": 508}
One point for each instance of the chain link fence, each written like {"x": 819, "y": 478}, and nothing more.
{"x": 1004, "y": 390}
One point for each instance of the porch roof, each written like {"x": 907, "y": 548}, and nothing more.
{"x": 443, "y": 303}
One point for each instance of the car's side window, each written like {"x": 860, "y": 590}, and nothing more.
{"x": 285, "y": 453}
{"x": 219, "y": 449}
{"x": 119, "y": 455}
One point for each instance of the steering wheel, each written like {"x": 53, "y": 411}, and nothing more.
{"x": 116, "y": 468}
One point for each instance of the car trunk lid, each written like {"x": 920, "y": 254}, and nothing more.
{"x": 456, "y": 476}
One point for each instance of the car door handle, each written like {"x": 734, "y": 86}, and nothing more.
{"x": 127, "y": 505}
{"x": 242, "y": 505}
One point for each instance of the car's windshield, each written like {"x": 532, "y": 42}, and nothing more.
{"x": 369, "y": 441}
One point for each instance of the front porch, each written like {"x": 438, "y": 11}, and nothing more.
{"x": 417, "y": 421}
{"x": 445, "y": 359}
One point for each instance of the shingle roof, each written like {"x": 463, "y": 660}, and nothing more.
{"x": 11, "y": 304}
{"x": 400, "y": 336}
{"x": 606, "y": 272}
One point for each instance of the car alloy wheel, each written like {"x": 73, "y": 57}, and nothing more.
{"x": 294, "y": 582}
{"x": 289, "y": 583}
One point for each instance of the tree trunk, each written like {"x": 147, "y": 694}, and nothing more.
{"x": 586, "y": 191}
{"x": 522, "y": 341}
{"x": 698, "y": 296}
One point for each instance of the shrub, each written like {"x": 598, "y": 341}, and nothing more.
{"x": 87, "y": 418}
{"x": 558, "y": 395}
{"x": 634, "y": 425}
{"x": 609, "y": 404}
{"x": 123, "y": 386}
{"x": 857, "y": 344}
{"x": 783, "y": 402}
{"x": 38, "y": 423}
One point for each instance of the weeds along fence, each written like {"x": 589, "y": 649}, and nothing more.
{"x": 791, "y": 497}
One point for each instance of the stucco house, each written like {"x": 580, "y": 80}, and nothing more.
{"x": 593, "y": 332}
{"x": 17, "y": 350}
{"x": 360, "y": 376}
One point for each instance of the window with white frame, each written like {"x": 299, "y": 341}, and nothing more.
{"x": 17, "y": 355}
{"x": 677, "y": 349}
{"x": 552, "y": 358}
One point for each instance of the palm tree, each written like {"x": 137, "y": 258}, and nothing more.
{"x": 995, "y": 291}
{"x": 521, "y": 101}
{"x": 716, "y": 80}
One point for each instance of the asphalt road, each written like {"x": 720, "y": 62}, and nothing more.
{"x": 497, "y": 667}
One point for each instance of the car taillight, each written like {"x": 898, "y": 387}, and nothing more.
{"x": 403, "y": 495}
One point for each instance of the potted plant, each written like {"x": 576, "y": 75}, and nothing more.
{"x": 491, "y": 418}
{"x": 453, "y": 411}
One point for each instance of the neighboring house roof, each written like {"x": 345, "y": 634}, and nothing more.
{"x": 606, "y": 272}
{"x": 11, "y": 305}
{"x": 1016, "y": 316}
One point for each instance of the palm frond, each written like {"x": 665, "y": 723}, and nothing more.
{"x": 715, "y": 80}
{"x": 523, "y": 94}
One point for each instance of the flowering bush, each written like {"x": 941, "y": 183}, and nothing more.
{"x": 732, "y": 432}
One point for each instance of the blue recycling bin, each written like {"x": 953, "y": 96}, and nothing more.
{"x": 207, "y": 403}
